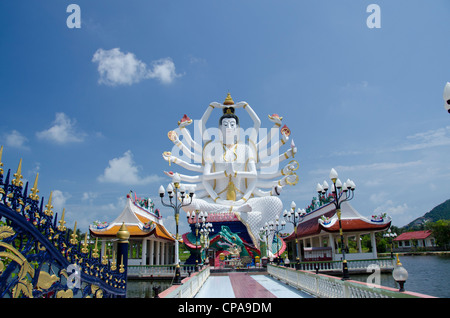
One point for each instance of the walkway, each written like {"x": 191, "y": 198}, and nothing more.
{"x": 244, "y": 285}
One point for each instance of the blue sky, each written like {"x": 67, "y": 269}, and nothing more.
{"x": 367, "y": 102}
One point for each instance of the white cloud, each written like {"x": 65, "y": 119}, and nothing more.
{"x": 118, "y": 68}
{"x": 59, "y": 200}
{"x": 63, "y": 131}
{"x": 390, "y": 208}
{"x": 371, "y": 167}
{"x": 428, "y": 139}
{"x": 15, "y": 139}
{"x": 89, "y": 196}
{"x": 123, "y": 170}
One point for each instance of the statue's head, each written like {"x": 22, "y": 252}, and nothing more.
{"x": 229, "y": 125}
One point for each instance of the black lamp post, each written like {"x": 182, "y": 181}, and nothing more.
{"x": 177, "y": 191}
{"x": 342, "y": 193}
{"x": 294, "y": 218}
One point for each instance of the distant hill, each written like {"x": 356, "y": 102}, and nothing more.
{"x": 440, "y": 212}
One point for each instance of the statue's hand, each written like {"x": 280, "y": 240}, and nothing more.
{"x": 240, "y": 105}
{"x": 168, "y": 156}
{"x": 276, "y": 190}
{"x": 230, "y": 170}
{"x": 284, "y": 138}
{"x": 216, "y": 105}
{"x": 291, "y": 152}
{"x": 169, "y": 173}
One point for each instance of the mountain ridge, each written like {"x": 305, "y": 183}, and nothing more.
{"x": 439, "y": 212}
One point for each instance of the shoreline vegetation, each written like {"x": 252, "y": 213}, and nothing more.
{"x": 415, "y": 253}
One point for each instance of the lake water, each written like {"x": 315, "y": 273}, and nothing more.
{"x": 429, "y": 274}
{"x": 144, "y": 288}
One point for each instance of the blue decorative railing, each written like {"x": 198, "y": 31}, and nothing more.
{"x": 39, "y": 257}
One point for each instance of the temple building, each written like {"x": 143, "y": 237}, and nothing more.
{"x": 318, "y": 237}
{"x": 150, "y": 242}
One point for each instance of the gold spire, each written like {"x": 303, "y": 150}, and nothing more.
{"x": 61, "y": 222}
{"x": 18, "y": 175}
{"x": 85, "y": 245}
{"x": 34, "y": 190}
{"x": 74, "y": 235}
{"x": 95, "y": 250}
{"x": 228, "y": 100}
{"x": 48, "y": 211}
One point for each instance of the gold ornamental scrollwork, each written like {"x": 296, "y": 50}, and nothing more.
{"x": 23, "y": 286}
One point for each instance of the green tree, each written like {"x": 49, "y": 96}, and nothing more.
{"x": 441, "y": 232}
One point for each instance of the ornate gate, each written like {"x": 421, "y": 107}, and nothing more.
{"x": 39, "y": 257}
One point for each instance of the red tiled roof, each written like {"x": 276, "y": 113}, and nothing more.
{"x": 417, "y": 235}
{"x": 313, "y": 227}
{"x": 356, "y": 225}
{"x": 310, "y": 227}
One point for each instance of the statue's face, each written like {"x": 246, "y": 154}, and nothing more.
{"x": 229, "y": 130}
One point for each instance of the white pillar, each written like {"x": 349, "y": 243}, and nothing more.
{"x": 374, "y": 244}
{"x": 333, "y": 250}
{"x": 152, "y": 252}
{"x": 358, "y": 243}
{"x": 157, "y": 252}
{"x": 163, "y": 253}
{"x": 144, "y": 251}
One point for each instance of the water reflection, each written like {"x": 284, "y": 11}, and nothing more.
{"x": 144, "y": 288}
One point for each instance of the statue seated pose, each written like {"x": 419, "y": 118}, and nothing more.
{"x": 237, "y": 175}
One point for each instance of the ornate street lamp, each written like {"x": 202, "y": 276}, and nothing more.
{"x": 400, "y": 275}
{"x": 391, "y": 236}
{"x": 342, "y": 193}
{"x": 265, "y": 232}
{"x": 206, "y": 228}
{"x": 179, "y": 192}
{"x": 276, "y": 228}
{"x": 447, "y": 96}
{"x": 294, "y": 218}
{"x": 198, "y": 217}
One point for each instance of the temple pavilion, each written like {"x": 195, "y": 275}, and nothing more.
{"x": 150, "y": 243}
{"x": 318, "y": 236}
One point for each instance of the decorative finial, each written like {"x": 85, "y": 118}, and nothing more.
{"x": 123, "y": 234}
{"x": 95, "y": 250}
{"x": 74, "y": 235}
{"x": 17, "y": 182}
{"x": 228, "y": 100}
{"x": 121, "y": 266}
{"x": 34, "y": 190}
{"x": 61, "y": 222}
{"x": 48, "y": 211}
{"x": 113, "y": 261}
{"x": 398, "y": 260}
{"x": 85, "y": 249}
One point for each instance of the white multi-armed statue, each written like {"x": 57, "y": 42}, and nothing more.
{"x": 234, "y": 171}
